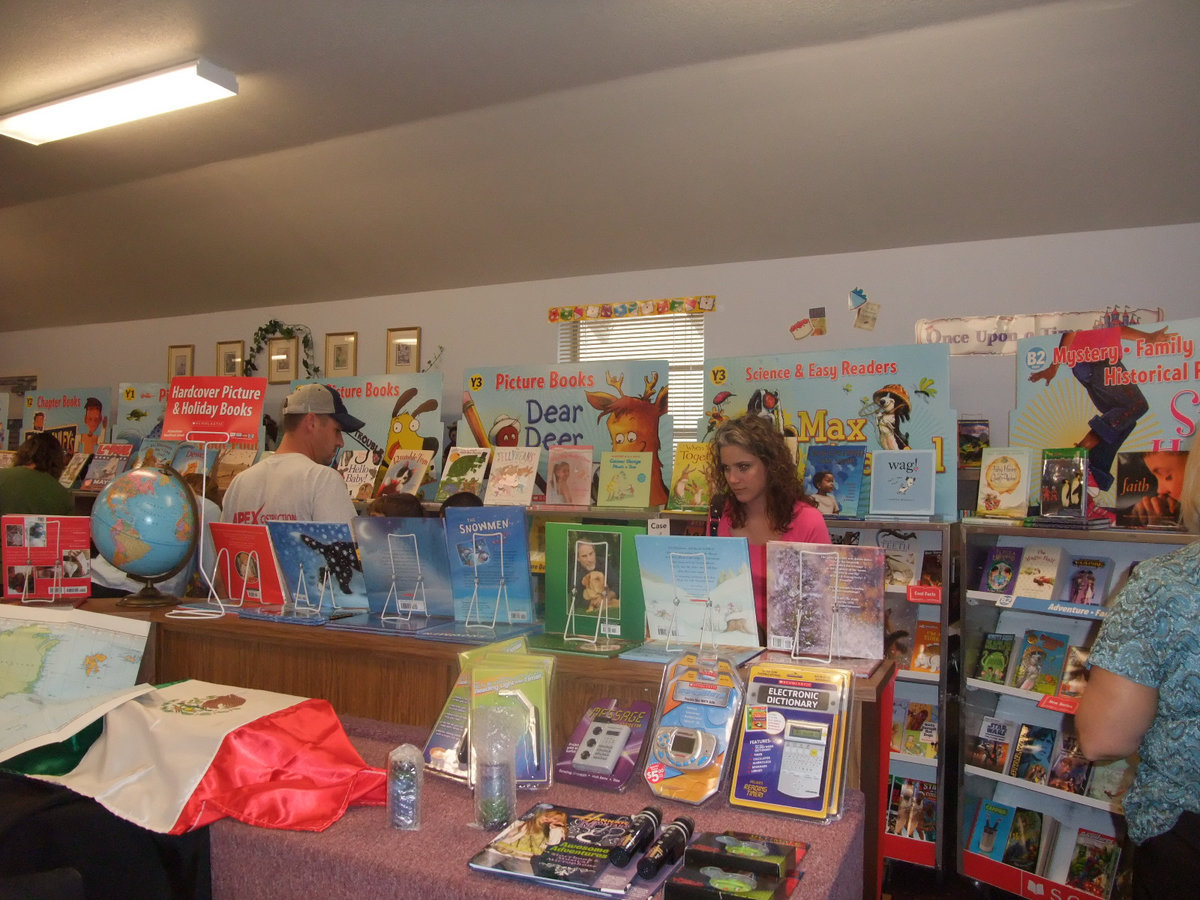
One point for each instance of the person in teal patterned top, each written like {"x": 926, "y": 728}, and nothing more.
{"x": 1143, "y": 694}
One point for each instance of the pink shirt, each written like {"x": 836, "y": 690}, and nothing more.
{"x": 808, "y": 526}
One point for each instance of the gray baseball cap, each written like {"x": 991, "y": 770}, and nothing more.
{"x": 324, "y": 400}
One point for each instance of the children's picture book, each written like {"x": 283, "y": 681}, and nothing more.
{"x": 1029, "y": 840}
{"x": 927, "y": 648}
{"x": 992, "y": 747}
{"x": 513, "y": 476}
{"x": 1064, "y": 482}
{"x": 833, "y": 475}
{"x": 194, "y": 459}
{"x": 154, "y": 452}
{"x": 593, "y": 588}
{"x": 902, "y": 483}
{"x": 625, "y": 479}
{"x": 1004, "y": 478}
{"x": 1039, "y": 573}
{"x": 140, "y": 408}
{"x": 320, "y": 565}
{"x": 1075, "y": 672}
{"x": 1110, "y": 781}
{"x": 900, "y": 568}
{"x": 899, "y": 719}
{"x": 245, "y": 563}
{"x": 1039, "y": 661}
{"x": 912, "y": 809}
{"x": 406, "y": 472}
{"x": 1149, "y": 487}
{"x": 464, "y": 470}
{"x": 1000, "y": 570}
{"x": 1085, "y": 580}
{"x": 47, "y": 558}
{"x": 109, "y": 461}
{"x": 1032, "y": 753}
{"x": 569, "y": 475}
{"x": 825, "y": 600}
{"x": 921, "y": 722}
{"x": 696, "y": 589}
{"x": 1069, "y": 770}
{"x": 359, "y": 470}
{"x": 994, "y": 657}
{"x": 406, "y": 572}
{"x": 604, "y": 749}
{"x": 73, "y": 469}
{"x": 690, "y": 488}
{"x": 974, "y": 437}
{"x": 1093, "y": 867}
{"x": 231, "y": 461}
{"x": 989, "y": 836}
{"x": 899, "y": 629}
{"x": 488, "y": 549}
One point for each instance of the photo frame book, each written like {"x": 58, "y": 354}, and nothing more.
{"x": 902, "y": 483}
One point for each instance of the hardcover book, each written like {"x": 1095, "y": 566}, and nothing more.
{"x": 1063, "y": 489}
{"x": 902, "y": 483}
{"x": 1032, "y": 753}
{"x": 107, "y": 463}
{"x": 931, "y": 568}
{"x": 464, "y": 471}
{"x": 1110, "y": 781}
{"x": 1000, "y": 570}
{"x": 489, "y": 565}
{"x": 513, "y": 475}
{"x": 1038, "y": 575}
{"x": 72, "y": 470}
{"x": 8, "y": 459}
{"x": 899, "y": 720}
{"x": 48, "y": 558}
{"x": 194, "y": 459}
{"x": 569, "y": 475}
{"x": 989, "y": 836}
{"x": 245, "y": 562}
{"x": 992, "y": 747}
{"x": 1085, "y": 580}
{"x": 1075, "y": 672}
{"x": 899, "y": 568}
{"x": 825, "y": 600}
{"x": 1004, "y": 477}
{"x": 625, "y": 479}
{"x": 1093, "y": 866}
{"x": 1148, "y": 488}
{"x": 974, "y": 436}
{"x": 833, "y": 475}
{"x": 1039, "y": 661}
{"x": 994, "y": 656}
{"x": 920, "y": 730}
{"x": 690, "y": 488}
{"x": 359, "y": 470}
{"x": 320, "y": 565}
{"x": 154, "y": 452}
{"x": 406, "y": 472}
{"x": 230, "y": 462}
{"x": 912, "y": 809}
{"x": 927, "y": 647}
{"x": 406, "y": 572}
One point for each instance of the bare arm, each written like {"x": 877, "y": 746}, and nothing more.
{"x": 1114, "y": 713}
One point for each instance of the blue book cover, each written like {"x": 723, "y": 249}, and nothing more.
{"x": 833, "y": 476}
{"x": 194, "y": 459}
{"x": 155, "y": 452}
{"x": 1032, "y": 753}
{"x": 902, "y": 482}
{"x": 320, "y": 565}
{"x": 405, "y": 567}
{"x": 993, "y": 822}
{"x": 489, "y": 565}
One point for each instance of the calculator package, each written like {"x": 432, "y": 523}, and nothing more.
{"x": 698, "y": 705}
{"x": 792, "y": 746}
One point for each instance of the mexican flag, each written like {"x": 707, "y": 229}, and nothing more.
{"x": 183, "y": 756}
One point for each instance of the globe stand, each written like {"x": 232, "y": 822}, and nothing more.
{"x": 149, "y": 597}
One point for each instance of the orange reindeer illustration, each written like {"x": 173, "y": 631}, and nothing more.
{"x": 633, "y": 424}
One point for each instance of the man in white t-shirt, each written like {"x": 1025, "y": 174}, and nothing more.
{"x": 296, "y": 482}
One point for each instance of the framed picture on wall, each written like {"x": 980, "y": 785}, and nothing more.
{"x": 181, "y": 360}
{"x": 283, "y": 359}
{"x": 229, "y": 357}
{"x": 341, "y": 354}
{"x": 403, "y": 350}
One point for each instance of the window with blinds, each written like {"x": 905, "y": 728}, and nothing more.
{"x": 678, "y": 338}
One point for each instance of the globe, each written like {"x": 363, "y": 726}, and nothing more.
{"x": 145, "y": 523}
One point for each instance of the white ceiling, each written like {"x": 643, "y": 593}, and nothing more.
{"x": 388, "y": 146}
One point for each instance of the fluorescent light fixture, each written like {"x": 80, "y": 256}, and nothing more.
{"x": 138, "y": 98}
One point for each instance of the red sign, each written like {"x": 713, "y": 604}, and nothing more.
{"x": 924, "y": 593}
{"x": 214, "y": 409}
{"x": 1059, "y": 704}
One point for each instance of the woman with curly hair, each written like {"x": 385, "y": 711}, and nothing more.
{"x": 764, "y": 500}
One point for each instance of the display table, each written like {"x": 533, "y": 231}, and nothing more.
{"x": 360, "y": 856}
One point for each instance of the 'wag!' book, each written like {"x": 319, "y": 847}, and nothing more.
{"x": 902, "y": 483}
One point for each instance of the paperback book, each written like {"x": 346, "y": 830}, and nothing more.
{"x": 1038, "y": 576}
{"x": 245, "y": 562}
{"x": 231, "y": 462}
{"x": 1148, "y": 488}
{"x": 464, "y": 470}
{"x": 912, "y": 809}
{"x": 1070, "y": 769}
{"x": 1000, "y": 570}
{"x": 902, "y": 483}
{"x": 1086, "y": 580}
{"x": 1032, "y": 753}
{"x": 992, "y": 747}
{"x": 1094, "y": 859}
{"x": 1004, "y": 478}
{"x": 194, "y": 459}
{"x": 513, "y": 476}
{"x": 974, "y": 437}
{"x": 899, "y": 629}
{"x": 1063, "y": 489}
{"x": 625, "y": 479}
{"x": 1110, "y": 781}
{"x": 994, "y": 656}
{"x": 690, "y": 488}
{"x": 899, "y": 719}
{"x": 1039, "y": 661}
{"x": 406, "y": 573}
{"x": 47, "y": 558}
{"x": 320, "y": 565}
{"x": 1075, "y": 672}
{"x": 489, "y": 565}
{"x": 825, "y": 600}
{"x": 73, "y": 469}
{"x": 989, "y": 836}
{"x": 359, "y": 470}
{"x": 1029, "y": 840}
{"x": 109, "y": 461}
{"x": 927, "y": 648}
{"x": 920, "y": 730}
{"x": 406, "y": 472}
{"x": 569, "y": 475}
{"x": 154, "y": 452}
{"x": 900, "y": 568}
{"x": 931, "y": 569}
{"x": 833, "y": 475}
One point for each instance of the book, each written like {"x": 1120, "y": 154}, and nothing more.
{"x": 569, "y": 474}
{"x": 927, "y": 647}
{"x": 920, "y": 717}
{"x": 900, "y": 568}
{"x": 73, "y": 469}
{"x": 231, "y": 461}
{"x": 1075, "y": 672}
{"x": 974, "y": 436}
{"x": 994, "y": 657}
{"x": 899, "y": 719}
{"x": 245, "y": 562}
{"x": 47, "y": 558}
{"x": 989, "y": 835}
{"x": 489, "y": 565}
{"x": 109, "y": 461}
{"x": 406, "y": 472}
{"x": 902, "y": 483}
{"x": 1000, "y": 570}
{"x": 1004, "y": 478}
{"x": 992, "y": 747}
{"x": 194, "y": 459}
{"x": 1085, "y": 580}
{"x": 1029, "y": 840}
{"x": 154, "y": 452}
{"x": 1039, "y": 661}
{"x": 1110, "y": 781}
{"x": 1148, "y": 488}
{"x": 625, "y": 479}
{"x": 1069, "y": 769}
{"x": 912, "y": 809}
{"x": 1032, "y": 752}
{"x": 513, "y": 475}
{"x": 320, "y": 565}
{"x": 833, "y": 475}
{"x": 1063, "y": 491}
{"x": 690, "y": 488}
{"x": 899, "y": 629}
{"x": 931, "y": 569}
{"x": 825, "y": 600}
{"x": 405, "y": 569}
{"x": 463, "y": 471}
{"x": 359, "y": 470}
{"x": 1093, "y": 866}
{"x": 1038, "y": 575}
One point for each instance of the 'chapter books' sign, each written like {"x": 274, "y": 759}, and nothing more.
{"x": 616, "y": 405}
{"x": 880, "y": 398}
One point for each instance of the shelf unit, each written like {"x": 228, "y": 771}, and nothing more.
{"x": 984, "y": 612}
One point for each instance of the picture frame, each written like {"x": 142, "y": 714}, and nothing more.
{"x": 181, "y": 360}
{"x": 403, "y": 352}
{"x": 231, "y": 356}
{"x": 341, "y": 354}
{"x": 283, "y": 359}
